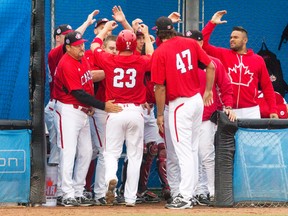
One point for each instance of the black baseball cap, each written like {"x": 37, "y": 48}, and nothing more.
{"x": 194, "y": 34}
{"x": 100, "y": 21}
{"x": 73, "y": 39}
{"x": 62, "y": 30}
{"x": 163, "y": 23}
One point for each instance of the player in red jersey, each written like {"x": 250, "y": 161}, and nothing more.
{"x": 98, "y": 124}
{"x": 124, "y": 75}
{"x": 175, "y": 73}
{"x": 282, "y": 106}
{"x": 222, "y": 87}
{"x": 154, "y": 146}
{"x": 54, "y": 57}
{"x": 245, "y": 69}
{"x": 98, "y": 120}
{"x": 73, "y": 92}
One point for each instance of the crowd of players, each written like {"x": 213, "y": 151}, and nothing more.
{"x": 105, "y": 96}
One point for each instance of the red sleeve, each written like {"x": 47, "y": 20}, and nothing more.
{"x": 267, "y": 87}
{"x": 224, "y": 83}
{"x": 147, "y": 62}
{"x": 281, "y": 107}
{"x": 71, "y": 77}
{"x": 210, "y": 49}
{"x": 202, "y": 55}
{"x": 100, "y": 57}
{"x": 54, "y": 57}
{"x": 282, "y": 111}
{"x": 158, "y": 75}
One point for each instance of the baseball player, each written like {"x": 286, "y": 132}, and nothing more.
{"x": 73, "y": 90}
{"x": 97, "y": 124}
{"x": 153, "y": 144}
{"x": 175, "y": 73}
{"x": 98, "y": 120}
{"x": 246, "y": 70}
{"x": 223, "y": 87}
{"x": 154, "y": 147}
{"x": 54, "y": 57}
{"x": 124, "y": 75}
{"x": 282, "y": 106}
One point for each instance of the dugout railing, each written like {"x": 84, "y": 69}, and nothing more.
{"x": 251, "y": 162}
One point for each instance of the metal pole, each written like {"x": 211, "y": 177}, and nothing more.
{"x": 191, "y": 14}
{"x": 52, "y": 8}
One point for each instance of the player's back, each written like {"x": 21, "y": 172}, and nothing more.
{"x": 124, "y": 77}
{"x": 180, "y": 56}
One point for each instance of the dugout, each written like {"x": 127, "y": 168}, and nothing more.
{"x": 26, "y": 39}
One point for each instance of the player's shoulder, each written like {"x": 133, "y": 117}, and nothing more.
{"x": 65, "y": 61}
{"x": 55, "y": 50}
{"x": 215, "y": 60}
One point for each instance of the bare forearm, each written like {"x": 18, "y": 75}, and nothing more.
{"x": 126, "y": 25}
{"x": 97, "y": 75}
{"x": 210, "y": 75}
{"x": 160, "y": 96}
{"x": 149, "y": 49}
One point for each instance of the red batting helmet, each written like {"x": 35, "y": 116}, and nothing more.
{"x": 126, "y": 40}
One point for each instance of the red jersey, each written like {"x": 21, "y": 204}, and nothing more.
{"x": 72, "y": 75}
{"x": 124, "y": 76}
{"x": 221, "y": 88}
{"x": 100, "y": 93}
{"x": 245, "y": 71}
{"x": 150, "y": 89}
{"x": 90, "y": 58}
{"x": 175, "y": 64}
{"x": 54, "y": 57}
{"x": 280, "y": 102}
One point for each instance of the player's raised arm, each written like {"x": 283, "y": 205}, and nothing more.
{"x": 90, "y": 20}
{"x": 97, "y": 42}
{"x": 119, "y": 16}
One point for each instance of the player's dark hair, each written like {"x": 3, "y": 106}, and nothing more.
{"x": 240, "y": 28}
{"x": 166, "y": 34}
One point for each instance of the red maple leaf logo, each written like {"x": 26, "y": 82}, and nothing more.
{"x": 240, "y": 75}
{"x": 49, "y": 182}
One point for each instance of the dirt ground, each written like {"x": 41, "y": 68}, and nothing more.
{"x": 140, "y": 209}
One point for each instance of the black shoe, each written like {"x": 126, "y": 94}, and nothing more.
{"x": 202, "y": 199}
{"x": 179, "y": 203}
{"x": 84, "y": 201}
{"x": 101, "y": 202}
{"x": 120, "y": 200}
{"x": 88, "y": 194}
{"x": 169, "y": 201}
{"x": 70, "y": 202}
{"x": 166, "y": 194}
{"x": 211, "y": 200}
{"x": 148, "y": 197}
{"x": 59, "y": 200}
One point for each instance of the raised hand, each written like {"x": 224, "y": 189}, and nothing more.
{"x": 175, "y": 17}
{"x": 216, "y": 18}
{"x": 136, "y": 23}
{"x": 110, "y": 26}
{"x": 90, "y": 19}
{"x": 143, "y": 28}
{"x": 118, "y": 14}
